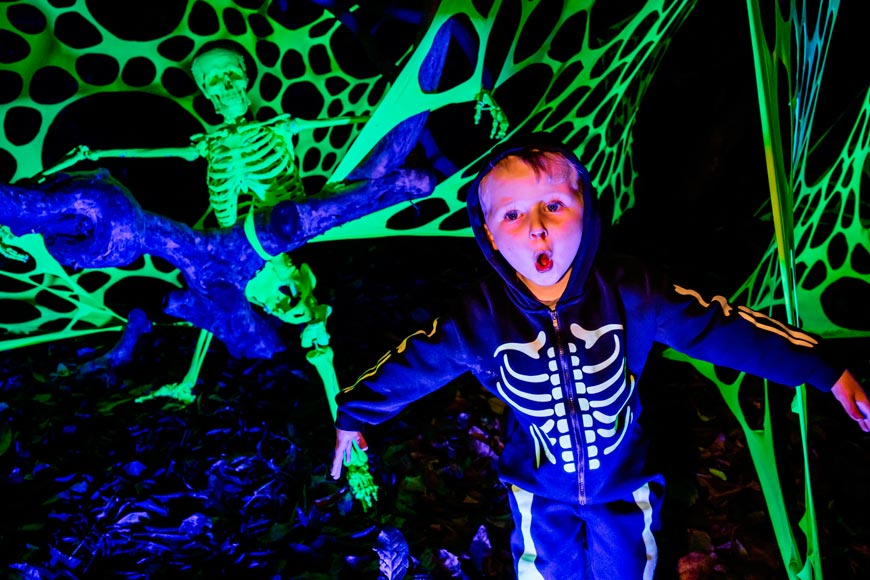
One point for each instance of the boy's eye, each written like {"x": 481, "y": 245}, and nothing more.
{"x": 511, "y": 215}
{"x": 554, "y": 206}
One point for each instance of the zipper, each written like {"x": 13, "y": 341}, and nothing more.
{"x": 571, "y": 409}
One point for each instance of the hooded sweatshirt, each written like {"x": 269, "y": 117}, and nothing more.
{"x": 570, "y": 374}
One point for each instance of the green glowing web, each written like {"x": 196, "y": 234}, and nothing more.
{"x": 591, "y": 83}
{"x": 589, "y": 86}
{"x": 67, "y": 52}
{"x": 48, "y": 302}
{"x": 821, "y": 250}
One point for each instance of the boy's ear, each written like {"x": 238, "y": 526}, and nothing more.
{"x": 490, "y": 238}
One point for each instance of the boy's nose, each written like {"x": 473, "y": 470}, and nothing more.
{"x": 537, "y": 230}
{"x": 537, "y": 227}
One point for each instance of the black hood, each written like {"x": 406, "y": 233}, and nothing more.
{"x": 591, "y": 220}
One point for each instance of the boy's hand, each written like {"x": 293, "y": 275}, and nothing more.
{"x": 344, "y": 441}
{"x": 854, "y": 400}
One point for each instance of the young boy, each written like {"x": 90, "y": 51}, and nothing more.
{"x": 562, "y": 337}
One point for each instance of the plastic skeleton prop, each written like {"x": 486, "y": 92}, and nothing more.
{"x": 484, "y": 101}
{"x": 244, "y": 158}
{"x": 256, "y": 159}
{"x": 286, "y": 291}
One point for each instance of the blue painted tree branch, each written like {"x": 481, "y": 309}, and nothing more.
{"x": 89, "y": 220}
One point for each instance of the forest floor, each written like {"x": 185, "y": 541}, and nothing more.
{"x": 96, "y": 485}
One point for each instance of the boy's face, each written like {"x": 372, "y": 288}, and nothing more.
{"x": 535, "y": 222}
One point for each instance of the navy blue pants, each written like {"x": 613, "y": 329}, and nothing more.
{"x": 612, "y": 541}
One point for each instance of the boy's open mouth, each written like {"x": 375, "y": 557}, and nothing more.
{"x": 543, "y": 262}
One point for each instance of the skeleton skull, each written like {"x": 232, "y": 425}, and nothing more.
{"x": 220, "y": 75}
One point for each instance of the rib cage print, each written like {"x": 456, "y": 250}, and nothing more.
{"x": 592, "y": 406}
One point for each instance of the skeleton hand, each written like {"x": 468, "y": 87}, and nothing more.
{"x": 485, "y": 102}
{"x": 6, "y": 237}
{"x": 80, "y": 153}
{"x": 345, "y": 441}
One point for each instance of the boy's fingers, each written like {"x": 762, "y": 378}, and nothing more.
{"x": 335, "y": 472}
{"x": 337, "y": 461}
{"x": 342, "y": 454}
{"x": 345, "y": 441}
{"x": 858, "y": 411}
{"x": 864, "y": 422}
{"x": 854, "y": 401}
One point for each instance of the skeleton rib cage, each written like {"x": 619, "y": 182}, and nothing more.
{"x": 599, "y": 391}
{"x": 253, "y": 158}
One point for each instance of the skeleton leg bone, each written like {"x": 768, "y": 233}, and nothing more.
{"x": 359, "y": 478}
{"x": 286, "y": 291}
{"x": 183, "y": 391}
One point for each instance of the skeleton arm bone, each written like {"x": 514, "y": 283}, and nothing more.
{"x": 83, "y": 152}
{"x": 298, "y": 125}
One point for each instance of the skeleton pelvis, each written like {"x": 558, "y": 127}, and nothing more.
{"x": 285, "y": 291}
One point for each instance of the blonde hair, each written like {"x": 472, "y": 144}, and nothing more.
{"x": 551, "y": 164}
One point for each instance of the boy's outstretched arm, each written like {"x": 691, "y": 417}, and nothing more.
{"x": 344, "y": 441}
{"x": 854, "y": 400}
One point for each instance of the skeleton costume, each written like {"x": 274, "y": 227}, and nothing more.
{"x": 584, "y": 501}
